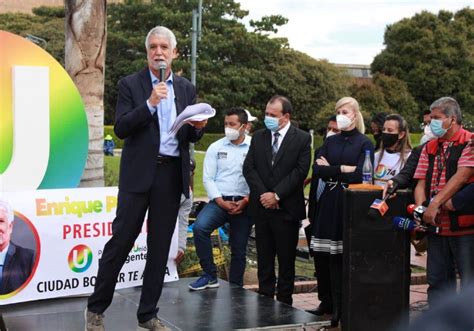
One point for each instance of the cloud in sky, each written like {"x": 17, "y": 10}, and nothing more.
{"x": 342, "y": 31}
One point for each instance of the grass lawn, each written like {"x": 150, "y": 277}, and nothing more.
{"x": 112, "y": 165}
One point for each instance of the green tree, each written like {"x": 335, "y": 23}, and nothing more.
{"x": 236, "y": 67}
{"x": 388, "y": 95}
{"x": 399, "y": 99}
{"x": 433, "y": 54}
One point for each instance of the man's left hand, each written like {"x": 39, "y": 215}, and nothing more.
{"x": 448, "y": 205}
{"x": 430, "y": 214}
{"x": 239, "y": 207}
{"x": 198, "y": 124}
{"x": 268, "y": 200}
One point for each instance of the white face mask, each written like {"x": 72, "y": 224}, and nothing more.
{"x": 232, "y": 134}
{"x": 427, "y": 135}
{"x": 330, "y": 133}
{"x": 343, "y": 122}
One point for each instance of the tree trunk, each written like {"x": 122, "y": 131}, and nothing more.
{"x": 86, "y": 35}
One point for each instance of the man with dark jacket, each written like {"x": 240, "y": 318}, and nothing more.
{"x": 154, "y": 172}
{"x": 16, "y": 262}
{"x": 275, "y": 168}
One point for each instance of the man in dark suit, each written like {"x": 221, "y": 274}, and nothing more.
{"x": 154, "y": 171}
{"x": 16, "y": 262}
{"x": 275, "y": 168}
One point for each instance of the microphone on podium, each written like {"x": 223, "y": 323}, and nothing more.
{"x": 162, "y": 70}
{"x": 380, "y": 207}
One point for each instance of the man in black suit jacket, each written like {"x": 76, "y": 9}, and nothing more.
{"x": 154, "y": 171}
{"x": 16, "y": 262}
{"x": 275, "y": 168}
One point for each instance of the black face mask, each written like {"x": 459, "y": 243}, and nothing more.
{"x": 389, "y": 139}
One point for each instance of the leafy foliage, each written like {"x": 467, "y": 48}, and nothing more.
{"x": 433, "y": 54}
{"x": 386, "y": 94}
{"x": 236, "y": 67}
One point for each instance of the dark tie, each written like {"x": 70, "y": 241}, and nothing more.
{"x": 276, "y": 135}
{"x": 1, "y": 272}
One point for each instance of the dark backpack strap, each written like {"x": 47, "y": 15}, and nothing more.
{"x": 455, "y": 153}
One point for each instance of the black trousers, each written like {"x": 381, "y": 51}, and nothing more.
{"x": 276, "y": 237}
{"x": 329, "y": 276}
{"x": 162, "y": 202}
{"x": 321, "y": 266}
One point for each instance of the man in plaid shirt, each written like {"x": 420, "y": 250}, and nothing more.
{"x": 446, "y": 165}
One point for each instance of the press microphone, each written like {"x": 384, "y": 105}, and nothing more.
{"x": 403, "y": 224}
{"x": 162, "y": 70}
{"x": 416, "y": 211}
{"x": 380, "y": 207}
{"x": 406, "y": 224}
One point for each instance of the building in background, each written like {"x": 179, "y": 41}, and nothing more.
{"x": 359, "y": 71}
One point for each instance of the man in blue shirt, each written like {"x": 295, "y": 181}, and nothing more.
{"x": 228, "y": 198}
{"x": 154, "y": 172}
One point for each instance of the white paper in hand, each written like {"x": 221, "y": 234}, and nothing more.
{"x": 197, "y": 112}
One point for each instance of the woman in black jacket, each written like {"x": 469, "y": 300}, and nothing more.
{"x": 338, "y": 163}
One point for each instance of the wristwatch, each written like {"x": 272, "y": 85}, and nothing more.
{"x": 276, "y": 196}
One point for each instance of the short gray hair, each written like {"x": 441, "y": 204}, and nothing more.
{"x": 161, "y": 31}
{"x": 449, "y": 107}
{"x": 8, "y": 209}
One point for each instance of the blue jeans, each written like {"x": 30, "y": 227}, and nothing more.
{"x": 209, "y": 219}
{"x": 445, "y": 256}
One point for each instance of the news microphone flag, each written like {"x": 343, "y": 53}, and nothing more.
{"x": 379, "y": 205}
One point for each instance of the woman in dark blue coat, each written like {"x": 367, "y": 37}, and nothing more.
{"x": 338, "y": 163}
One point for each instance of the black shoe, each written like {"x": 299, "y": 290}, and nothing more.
{"x": 320, "y": 311}
{"x": 335, "y": 318}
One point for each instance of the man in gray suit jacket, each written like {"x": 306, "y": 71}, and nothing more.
{"x": 154, "y": 171}
{"x": 275, "y": 168}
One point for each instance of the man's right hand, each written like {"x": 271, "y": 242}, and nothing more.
{"x": 226, "y": 205}
{"x": 159, "y": 92}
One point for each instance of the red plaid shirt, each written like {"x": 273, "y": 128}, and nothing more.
{"x": 466, "y": 160}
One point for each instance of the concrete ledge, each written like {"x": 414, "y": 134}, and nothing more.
{"x": 311, "y": 285}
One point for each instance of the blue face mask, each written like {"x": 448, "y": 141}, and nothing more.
{"x": 271, "y": 123}
{"x": 437, "y": 129}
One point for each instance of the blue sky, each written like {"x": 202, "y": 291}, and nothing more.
{"x": 342, "y": 31}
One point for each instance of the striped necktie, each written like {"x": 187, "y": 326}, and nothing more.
{"x": 319, "y": 191}
{"x": 276, "y": 135}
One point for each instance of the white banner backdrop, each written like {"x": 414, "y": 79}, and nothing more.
{"x": 67, "y": 230}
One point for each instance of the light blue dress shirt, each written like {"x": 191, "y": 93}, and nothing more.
{"x": 223, "y": 163}
{"x": 166, "y": 117}
{"x": 3, "y": 256}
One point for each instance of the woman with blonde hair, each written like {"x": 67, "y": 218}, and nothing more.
{"x": 338, "y": 163}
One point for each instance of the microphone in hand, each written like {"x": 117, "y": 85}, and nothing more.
{"x": 162, "y": 70}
